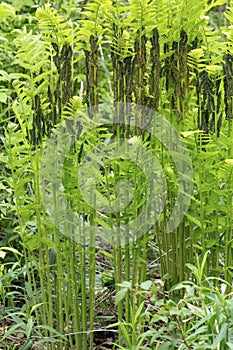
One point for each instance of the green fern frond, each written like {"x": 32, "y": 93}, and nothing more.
{"x": 53, "y": 26}
{"x": 196, "y": 59}
{"x": 192, "y": 16}
{"x": 139, "y": 12}
{"x": 33, "y": 56}
{"x": 122, "y": 44}
{"x": 7, "y": 12}
{"x": 31, "y": 53}
{"x": 158, "y": 10}
{"x": 74, "y": 106}
{"x": 229, "y": 31}
{"x": 93, "y": 24}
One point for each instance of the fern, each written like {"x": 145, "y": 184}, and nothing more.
{"x": 192, "y": 17}
{"x": 139, "y": 12}
{"x": 93, "y": 24}
{"x": 31, "y": 53}
{"x": 53, "y": 27}
{"x": 7, "y": 12}
{"x": 196, "y": 59}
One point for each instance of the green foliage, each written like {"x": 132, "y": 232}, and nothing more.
{"x": 24, "y": 324}
{"x": 7, "y": 12}
{"x": 60, "y": 58}
{"x": 53, "y": 27}
{"x": 200, "y": 319}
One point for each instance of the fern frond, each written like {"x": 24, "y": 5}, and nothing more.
{"x": 140, "y": 14}
{"x": 192, "y": 17}
{"x": 31, "y": 54}
{"x": 229, "y": 31}
{"x": 196, "y": 59}
{"x": 7, "y": 12}
{"x": 93, "y": 24}
{"x": 53, "y": 26}
{"x": 159, "y": 10}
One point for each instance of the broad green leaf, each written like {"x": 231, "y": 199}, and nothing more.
{"x": 125, "y": 284}
{"x": 193, "y": 268}
{"x": 146, "y": 285}
{"x": 120, "y": 295}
